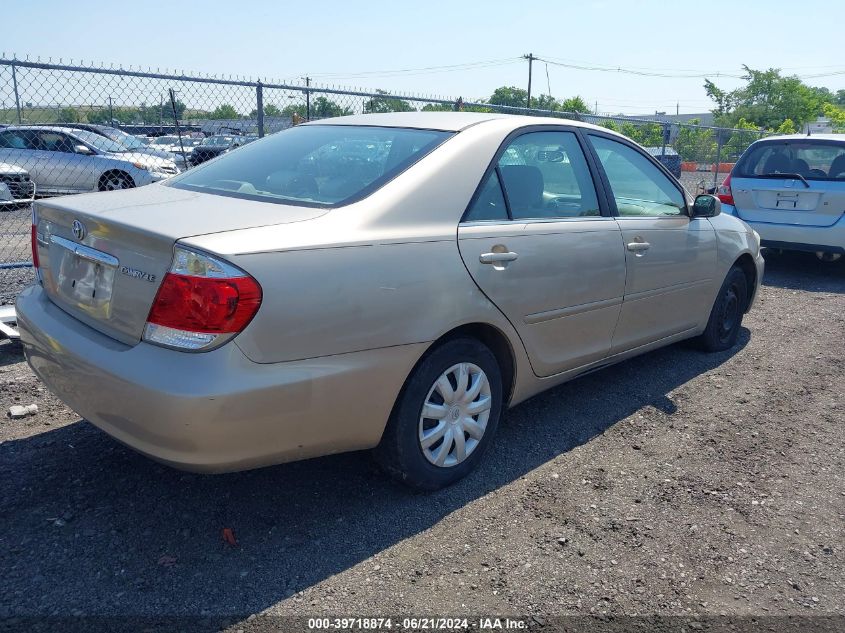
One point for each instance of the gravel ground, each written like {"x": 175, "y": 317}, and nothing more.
{"x": 671, "y": 484}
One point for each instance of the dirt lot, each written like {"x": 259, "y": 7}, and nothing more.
{"x": 674, "y": 483}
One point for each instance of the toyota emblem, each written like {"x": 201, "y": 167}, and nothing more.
{"x": 78, "y": 229}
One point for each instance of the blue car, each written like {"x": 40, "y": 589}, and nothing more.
{"x": 791, "y": 190}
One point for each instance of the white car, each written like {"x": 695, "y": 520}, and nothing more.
{"x": 63, "y": 160}
{"x": 791, "y": 190}
{"x": 16, "y": 187}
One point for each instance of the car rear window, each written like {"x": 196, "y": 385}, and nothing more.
{"x": 814, "y": 160}
{"x": 313, "y": 165}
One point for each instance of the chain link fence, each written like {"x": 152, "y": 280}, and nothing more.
{"x": 68, "y": 128}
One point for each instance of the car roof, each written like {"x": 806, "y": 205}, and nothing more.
{"x": 446, "y": 121}
{"x": 49, "y": 128}
{"x": 805, "y": 137}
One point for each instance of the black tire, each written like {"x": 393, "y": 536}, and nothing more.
{"x": 400, "y": 453}
{"x": 726, "y": 316}
{"x": 115, "y": 180}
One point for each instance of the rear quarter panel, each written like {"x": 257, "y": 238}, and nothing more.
{"x": 381, "y": 272}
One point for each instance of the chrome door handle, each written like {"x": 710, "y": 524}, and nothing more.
{"x": 497, "y": 258}
{"x": 638, "y": 247}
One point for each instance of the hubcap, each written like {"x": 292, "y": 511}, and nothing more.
{"x": 454, "y": 415}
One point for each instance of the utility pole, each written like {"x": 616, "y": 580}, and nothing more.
{"x": 111, "y": 113}
{"x": 176, "y": 123}
{"x": 530, "y": 57}
{"x": 677, "y": 108}
{"x": 307, "y": 98}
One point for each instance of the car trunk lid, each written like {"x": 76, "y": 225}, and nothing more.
{"x": 103, "y": 256}
{"x": 789, "y": 200}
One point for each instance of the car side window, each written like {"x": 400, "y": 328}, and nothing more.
{"x": 55, "y": 142}
{"x": 13, "y": 140}
{"x": 638, "y": 186}
{"x": 545, "y": 175}
{"x": 490, "y": 202}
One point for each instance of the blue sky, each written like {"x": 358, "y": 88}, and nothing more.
{"x": 352, "y": 43}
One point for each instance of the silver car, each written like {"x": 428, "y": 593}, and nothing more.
{"x": 791, "y": 190}
{"x": 300, "y": 297}
{"x": 16, "y": 187}
{"x": 64, "y": 160}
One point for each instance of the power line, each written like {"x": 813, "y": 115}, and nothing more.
{"x": 426, "y": 69}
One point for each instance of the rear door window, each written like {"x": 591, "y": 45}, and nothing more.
{"x": 545, "y": 175}
{"x": 811, "y": 159}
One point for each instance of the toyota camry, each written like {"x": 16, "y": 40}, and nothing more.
{"x": 389, "y": 281}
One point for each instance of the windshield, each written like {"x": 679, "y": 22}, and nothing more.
{"x": 313, "y": 165}
{"x": 218, "y": 140}
{"x": 99, "y": 142}
{"x": 808, "y": 158}
{"x": 164, "y": 140}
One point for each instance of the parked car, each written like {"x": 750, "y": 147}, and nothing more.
{"x": 16, "y": 187}
{"x": 248, "y": 312}
{"x": 212, "y": 147}
{"x": 130, "y": 142}
{"x": 172, "y": 145}
{"x": 64, "y": 160}
{"x": 791, "y": 189}
{"x": 667, "y": 157}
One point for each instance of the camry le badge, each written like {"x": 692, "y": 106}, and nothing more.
{"x": 137, "y": 274}
{"x": 78, "y": 229}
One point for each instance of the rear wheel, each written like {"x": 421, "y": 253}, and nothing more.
{"x": 114, "y": 180}
{"x": 726, "y": 316}
{"x": 444, "y": 418}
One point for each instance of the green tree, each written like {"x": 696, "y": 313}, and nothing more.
{"x": 323, "y": 108}
{"x": 162, "y": 111}
{"x": 546, "y": 102}
{"x": 113, "y": 116}
{"x": 386, "y": 104}
{"x": 743, "y": 135}
{"x": 766, "y": 100}
{"x": 787, "y": 127}
{"x": 68, "y": 115}
{"x": 509, "y": 96}
{"x": 836, "y": 116}
{"x": 269, "y": 110}
{"x": 298, "y": 109}
{"x": 438, "y": 107}
{"x": 575, "y": 104}
{"x": 694, "y": 143}
{"x": 224, "y": 111}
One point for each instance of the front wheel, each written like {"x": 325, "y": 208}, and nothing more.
{"x": 445, "y": 416}
{"x": 726, "y": 316}
{"x": 114, "y": 181}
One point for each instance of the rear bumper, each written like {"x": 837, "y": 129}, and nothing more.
{"x": 216, "y": 411}
{"x": 798, "y": 237}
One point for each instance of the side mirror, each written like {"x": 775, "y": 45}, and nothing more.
{"x": 83, "y": 149}
{"x": 706, "y": 206}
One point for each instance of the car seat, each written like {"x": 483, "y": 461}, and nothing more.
{"x": 777, "y": 164}
{"x": 837, "y": 167}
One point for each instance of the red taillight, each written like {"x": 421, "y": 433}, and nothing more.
{"x": 34, "y": 245}
{"x": 205, "y": 304}
{"x": 724, "y": 192}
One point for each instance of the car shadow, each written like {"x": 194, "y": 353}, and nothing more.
{"x": 796, "y": 270}
{"x": 11, "y": 352}
{"x": 91, "y": 527}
